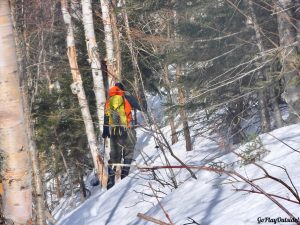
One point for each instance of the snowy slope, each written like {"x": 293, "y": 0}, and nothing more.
{"x": 209, "y": 199}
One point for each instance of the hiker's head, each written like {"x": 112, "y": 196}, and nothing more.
{"x": 120, "y": 85}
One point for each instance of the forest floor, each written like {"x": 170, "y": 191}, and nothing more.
{"x": 209, "y": 200}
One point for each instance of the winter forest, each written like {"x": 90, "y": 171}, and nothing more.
{"x": 132, "y": 112}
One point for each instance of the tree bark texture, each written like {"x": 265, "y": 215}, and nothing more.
{"x": 109, "y": 43}
{"x": 77, "y": 88}
{"x": 182, "y": 111}
{"x": 16, "y": 169}
{"x": 116, "y": 36}
{"x": 94, "y": 59}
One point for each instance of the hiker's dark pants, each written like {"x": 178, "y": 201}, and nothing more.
{"x": 122, "y": 145}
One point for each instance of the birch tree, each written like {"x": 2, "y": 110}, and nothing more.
{"x": 77, "y": 88}
{"x": 109, "y": 43}
{"x": 17, "y": 199}
{"x": 94, "y": 59}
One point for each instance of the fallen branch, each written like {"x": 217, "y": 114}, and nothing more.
{"x": 276, "y": 196}
{"x": 151, "y": 219}
{"x": 161, "y": 206}
{"x": 232, "y": 174}
{"x": 283, "y": 142}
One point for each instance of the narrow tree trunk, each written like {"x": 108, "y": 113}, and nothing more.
{"x": 109, "y": 43}
{"x": 263, "y": 110}
{"x": 77, "y": 88}
{"x": 289, "y": 57}
{"x": 182, "y": 111}
{"x": 67, "y": 170}
{"x": 58, "y": 191}
{"x": 275, "y": 105}
{"x": 263, "y": 76}
{"x": 235, "y": 112}
{"x": 82, "y": 185}
{"x": 16, "y": 175}
{"x": 40, "y": 203}
{"x": 94, "y": 59}
{"x": 116, "y": 36}
{"x": 138, "y": 82}
{"x": 170, "y": 101}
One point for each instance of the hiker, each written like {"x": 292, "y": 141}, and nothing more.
{"x": 119, "y": 128}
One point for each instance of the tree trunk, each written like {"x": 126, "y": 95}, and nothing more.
{"x": 77, "y": 88}
{"x": 82, "y": 185}
{"x": 289, "y": 58}
{"x": 182, "y": 111}
{"x": 17, "y": 199}
{"x": 94, "y": 59}
{"x": 116, "y": 35}
{"x": 58, "y": 191}
{"x": 274, "y": 102}
{"x": 36, "y": 172}
{"x": 170, "y": 101}
{"x": 263, "y": 110}
{"x": 40, "y": 203}
{"x": 138, "y": 81}
{"x": 109, "y": 43}
{"x": 235, "y": 112}
{"x": 67, "y": 170}
{"x": 263, "y": 75}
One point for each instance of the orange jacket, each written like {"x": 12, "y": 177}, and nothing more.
{"x": 117, "y": 91}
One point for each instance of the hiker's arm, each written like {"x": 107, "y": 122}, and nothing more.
{"x": 135, "y": 103}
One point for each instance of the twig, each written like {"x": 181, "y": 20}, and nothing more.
{"x": 267, "y": 175}
{"x": 161, "y": 206}
{"x": 151, "y": 219}
{"x": 283, "y": 143}
{"x": 257, "y": 187}
{"x": 276, "y": 196}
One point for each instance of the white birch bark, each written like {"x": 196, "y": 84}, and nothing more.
{"x": 16, "y": 175}
{"x": 94, "y": 59}
{"x": 77, "y": 88}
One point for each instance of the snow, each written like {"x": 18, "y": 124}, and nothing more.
{"x": 209, "y": 200}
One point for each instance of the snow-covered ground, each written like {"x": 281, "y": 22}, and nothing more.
{"x": 209, "y": 200}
